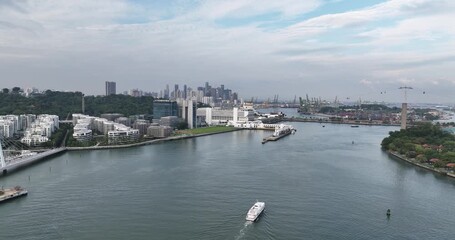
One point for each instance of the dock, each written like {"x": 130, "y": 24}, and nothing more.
{"x": 11, "y": 193}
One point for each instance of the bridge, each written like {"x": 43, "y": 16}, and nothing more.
{"x": 7, "y": 165}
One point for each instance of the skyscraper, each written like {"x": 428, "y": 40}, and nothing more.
{"x": 176, "y": 91}
{"x": 184, "y": 92}
{"x": 110, "y": 88}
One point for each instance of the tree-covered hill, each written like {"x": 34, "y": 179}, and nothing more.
{"x": 423, "y": 142}
{"x": 64, "y": 103}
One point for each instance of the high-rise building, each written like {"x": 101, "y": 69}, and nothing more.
{"x": 184, "y": 92}
{"x": 110, "y": 88}
{"x": 176, "y": 90}
{"x": 166, "y": 92}
{"x": 188, "y": 110}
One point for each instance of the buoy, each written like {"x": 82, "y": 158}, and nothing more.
{"x": 388, "y": 212}
{"x": 352, "y": 142}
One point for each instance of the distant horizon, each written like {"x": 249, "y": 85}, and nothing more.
{"x": 259, "y": 48}
{"x": 288, "y": 101}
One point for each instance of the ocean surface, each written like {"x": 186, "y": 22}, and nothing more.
{"x": 317, "y": 184}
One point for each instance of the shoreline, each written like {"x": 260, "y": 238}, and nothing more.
{"x": 434, "y": 170}
{"x": 149, "y": 142}
{"x": 328, "y": 121}
{"x": 41, "y": 157}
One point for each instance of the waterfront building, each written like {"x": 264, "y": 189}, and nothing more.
{"x": 35, "y": 139}
{"x": 188, "y": 110}
{"x": 164, "y": 108}
{"x": 82, "y": 135}
{"x": 159, "y": 131}
{"x": 171, "y": 121}
{"x": 110, "y": 88}
{"x": 122, "y": 134}
{"x": 116, "y": 132}
{"x": 216, "y": 116}
{"x": 142, "y": 126}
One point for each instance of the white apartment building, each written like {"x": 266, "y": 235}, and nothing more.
{"x": 41, "y": 129}
{"x": 215, "y": 116}
{"x": 116, "y": 132}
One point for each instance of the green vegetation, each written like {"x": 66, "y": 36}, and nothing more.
{"x": 126, "y": 105}
{"x": 65, "y": 103}
{"x": 56, "y": 140}
{"x": 423, "y": 142}
{"x": 213, "y": 129}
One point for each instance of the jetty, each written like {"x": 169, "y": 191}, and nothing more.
{"x": 11, "y": 193}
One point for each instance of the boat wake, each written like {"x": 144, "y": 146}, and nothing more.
{"x": 243, "y": 230}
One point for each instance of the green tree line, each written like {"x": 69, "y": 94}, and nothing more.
{"x": 423, "y": 142}
{"x": 64, "y": 103}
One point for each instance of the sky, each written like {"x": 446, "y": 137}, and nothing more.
{"x": 344, "y": 49}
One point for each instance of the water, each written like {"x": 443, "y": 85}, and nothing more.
{"x": 316, "y": 185}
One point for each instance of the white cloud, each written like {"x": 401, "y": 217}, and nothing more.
{"x": 82, "y": 42}
{"x": 387, "y": 10}
{"x": 246, "y": 8}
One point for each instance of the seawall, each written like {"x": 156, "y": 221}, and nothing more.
{"x": 173, "y": 138}
{"x": 442, "y": 172}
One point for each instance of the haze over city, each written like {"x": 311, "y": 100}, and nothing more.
{"x": 349, "y": 49}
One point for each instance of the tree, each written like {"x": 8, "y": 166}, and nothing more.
{"x": 5, "y": 90}
{"x": 16, "y": 89}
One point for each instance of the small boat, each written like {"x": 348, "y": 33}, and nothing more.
{"x": 255, "y": 211}
{"x": 355, "y": 126}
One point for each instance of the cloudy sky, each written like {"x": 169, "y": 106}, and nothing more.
{"x": 325, "y": 48}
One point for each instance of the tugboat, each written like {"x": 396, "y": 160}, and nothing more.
{"x": 10, "y": 193}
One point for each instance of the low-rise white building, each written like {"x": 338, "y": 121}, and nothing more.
{"x": 41, "y": 129}
{"x": 214, "y": 116}
{"x": 116, "y": 132}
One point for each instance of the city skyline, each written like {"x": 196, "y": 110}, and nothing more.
{"x": 349, "y": 49}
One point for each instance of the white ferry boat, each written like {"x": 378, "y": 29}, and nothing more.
{"x": 255, "y": 211}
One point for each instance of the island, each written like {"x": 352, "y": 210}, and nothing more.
{"x": 426, "y": 145}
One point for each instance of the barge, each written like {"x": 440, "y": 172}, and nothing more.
{"x": 11, "y": 193}
{"x": 280, "y": 131}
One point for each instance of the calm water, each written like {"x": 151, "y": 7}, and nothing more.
{"x": 316, "y": 185}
